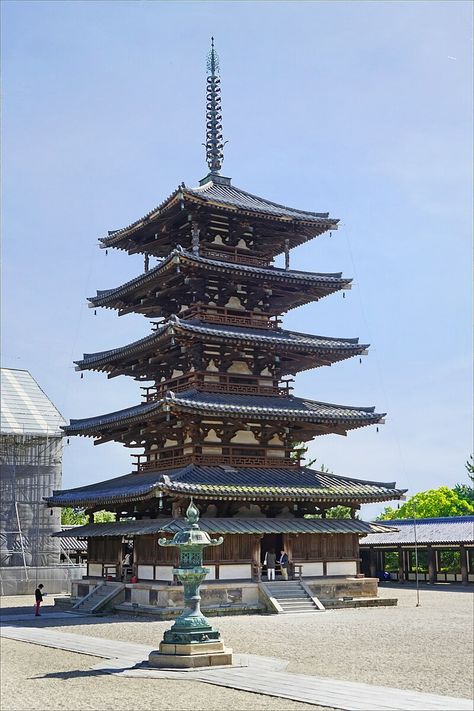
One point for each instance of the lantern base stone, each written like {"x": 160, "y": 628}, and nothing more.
{"x": 190, "y": 656}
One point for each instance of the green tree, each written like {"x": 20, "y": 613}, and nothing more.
{"x": 431, "y": 504}
{"x": 300, "y": 450}
{"x": 104, "y": 517}
{"x": 74, "y": 517}
{"x": 470, "y": 467}
{"x": 70, "y": 517}
{"x": 465, "y": 492}
{"x": 339, "y": 512}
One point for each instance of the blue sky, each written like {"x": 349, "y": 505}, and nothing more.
{"x": 361, "y": 109}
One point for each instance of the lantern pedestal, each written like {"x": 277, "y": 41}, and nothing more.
{"x": 190, "y": 656}
{"x": 192, "y": 641}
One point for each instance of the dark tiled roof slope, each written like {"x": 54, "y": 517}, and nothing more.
{"x": 257, "y": 406}
{"x": 226, "y": 196}
{"x": 229, "y": 526}
{"x": 242, "y": 483}
{"x": 287, "y": 339}
{"x": 105, "y": 296}
{"x": 456, "y": 529}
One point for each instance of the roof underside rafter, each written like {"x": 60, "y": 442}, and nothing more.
{"x": 284, "y": 289}
{"x": 168, "y": 340}
{"x": 162, "y": 223}
{"x": 323, "y": 418}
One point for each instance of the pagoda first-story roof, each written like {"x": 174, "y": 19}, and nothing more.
{"x": 327, "y": 417}
{"x": 324, "y": 350}
{"x": 144, "y": 293}
{"x": 225, "y": 199}
{"x": 227, "y": 526}
{"x": 236, "y": 484}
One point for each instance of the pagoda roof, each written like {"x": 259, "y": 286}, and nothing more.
{"x": 227, "y": 526}
{"x": 257, "y": 407}
{"x": 287, "y": 340}
{"x": 282, "y": 484}
{"x": 221, "y": 195}
{"x": 327, "y": 282}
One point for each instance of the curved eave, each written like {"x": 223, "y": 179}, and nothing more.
{"x": 282, "y": 483}
{"x": 109, "y": 297}
{"x": 264, "y": 408}
{"x": 316, "y": 222}
{"x": 290, "y": 342}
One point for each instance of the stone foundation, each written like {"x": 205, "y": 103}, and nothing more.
{"x": 226, "y": 598}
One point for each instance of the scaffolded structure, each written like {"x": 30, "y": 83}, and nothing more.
{"x": 31, "y": 445}
{"x": 219, "y": 421}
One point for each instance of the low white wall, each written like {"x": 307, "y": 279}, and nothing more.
{"x": 235, "y": 572}
{"x": 310, "y": 569}
{"x": 94, "y": 570}
{"x": 343, "y": 567}
{"x": 146, "y": 572}
{"x": 164, "y": 573}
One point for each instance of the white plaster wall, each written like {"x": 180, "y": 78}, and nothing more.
{"x": 164, "y": 572}
{"x": 212, "y": 572}
{"x": 346, "y": 567}
{"x": 244, "y": 437}
{"x": 94, "y": 569}
{"x": 234, "y": 303}
{"x": 234, "y": 572}
{"x": 145, "y": 572}
{"x": 239, "y": 366}
{"x": 310, "y": 569}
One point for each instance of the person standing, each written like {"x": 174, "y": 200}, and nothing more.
{"x": 270, "y": 562}
{"x": 38, "y": 599}
{"x": 284, "y": 563}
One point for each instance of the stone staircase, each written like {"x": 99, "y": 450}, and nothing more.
{"x": 291, "y": 596}
{"x": 98, "y": 598}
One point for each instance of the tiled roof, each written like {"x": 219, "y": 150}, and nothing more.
{"x": 230, "y": 195}
{"x": 179, "y": 255}
{"x": 25, "y": 408}
{"x": 225, "y": 196}
{"x": 456, "y": 529}
{"x": 286, "y": 339}
{"x": 242, "y": 483}
{"x": 227, "y": 525}
{"x": 257, "y": 406}
{"x": 69, "y": 542}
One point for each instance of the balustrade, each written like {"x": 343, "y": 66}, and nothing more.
{"x": 234, "y": 256}
{"x": 228, "y": 383}
{"x": 174, "y": 459}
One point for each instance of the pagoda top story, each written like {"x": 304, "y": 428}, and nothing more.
{"x": 218, "y": 208}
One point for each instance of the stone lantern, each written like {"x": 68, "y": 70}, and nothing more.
{"x": 191, "y": 641}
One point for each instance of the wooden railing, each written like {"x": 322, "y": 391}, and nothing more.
{"x": 235, "y": 257}
{"x": 230, "y": 317}
{"x": 234, "y": 460}
{"x": 228, "y": 383}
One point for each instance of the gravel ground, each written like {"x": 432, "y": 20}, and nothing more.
{"x": 429, "y": 648}
{"x": 44, "y": 678}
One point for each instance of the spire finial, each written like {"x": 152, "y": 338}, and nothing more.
{"x": 214, "y": 137}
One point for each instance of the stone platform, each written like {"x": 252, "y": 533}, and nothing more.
{"x": 228, "y": 597}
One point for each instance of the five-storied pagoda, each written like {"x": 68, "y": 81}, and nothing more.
{"x": 218, "y": 421}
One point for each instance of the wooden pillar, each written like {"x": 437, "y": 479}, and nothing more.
{"x": 372, "y": 562}
{"x": 464, "y": 571}
{"x": 401, "y": 566}
{"x": 432, "y": 568}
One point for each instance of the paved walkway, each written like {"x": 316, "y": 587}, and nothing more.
{"x": 261, "y": 675}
